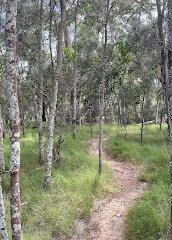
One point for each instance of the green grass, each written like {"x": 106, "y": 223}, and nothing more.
{"x": 149, "y": 217}
{"x": 74, "y": 185}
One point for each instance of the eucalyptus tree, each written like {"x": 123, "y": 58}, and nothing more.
{"x": 14, "y": 132}
{"x": 54, "y": 97}
{"x": 75, "y": 74}
{"x": 106, "y": 21}
{"x": 3, "y": 227}
{"x": 40, "y": 96}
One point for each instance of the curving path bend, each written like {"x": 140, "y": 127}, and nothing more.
{"x": 108, "y": 220}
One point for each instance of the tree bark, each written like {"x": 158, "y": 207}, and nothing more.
{"x": 40, "y": 97}
{"x": 164, "y": 58}
{"x": 50, "y": 41}
{"x": 3, "y": 228}
{"x": 67, "y": 37}
{"x": 54, "y": 98}
{"x": 44, "y": 112}
{"x": 141, "y": 134}
{"x": 2, "y": 163}
{"x": 14, "y": 132}
{"x": 157, "y": 112}
{"x": 170, "y": 80}
{"x": 75, "y": 78}
{"x": 102, "y": 87}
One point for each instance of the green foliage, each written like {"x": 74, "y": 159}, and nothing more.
{"x": 68, "y": 55}
{"x": 149, "y": 218}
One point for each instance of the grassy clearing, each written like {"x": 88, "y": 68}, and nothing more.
{"x": 149, "y": 218}
{"x": 75, "y": 183}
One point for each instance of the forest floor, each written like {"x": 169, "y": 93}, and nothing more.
{"x": 108, "y": 217}
{"x": 108, "y": 222}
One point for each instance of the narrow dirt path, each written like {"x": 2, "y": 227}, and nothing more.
{"x": 108, "y": 221}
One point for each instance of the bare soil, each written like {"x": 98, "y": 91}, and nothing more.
{"x": 108, "y": 217}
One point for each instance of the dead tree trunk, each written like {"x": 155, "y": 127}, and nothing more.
{"x": 14, "y": 132}
{"x": 54, "y": 98}
{"x": 40, "y": 97}
{"x": 102, "y": 87}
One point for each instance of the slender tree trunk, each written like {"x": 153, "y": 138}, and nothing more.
{"x": 44, "y": 112}
{"x": 23, "y": 124}
{"x": 157, "y": 112}
{"x": 125, "y": 121}
{"x": 3, "y": 228}
{"x": 160, "y": 123}
{"x": 67, "y": 37}
{"x": 90, "y": 122}
{"x": 119, "y": 113}
{"x": 2, "y": 163}
{"x": 112, "y": 110}
{"x": 75, "y": 77}
{"x": 164, "y": 55}
{"x": 3, "y": 128}
{"x": 122, "y": 113}
{"x": 170, "y": 81}
{"x": 40, "y": 97}
{"x": 50, "y": 41}
{"x": 102, "y": 87}
{"x": 141, "y": 134}
{"x": 105, "y": 112}
{"x": 54, "y": 98}
{"x": 14, "y": 132}
{"x": 79, "y": 107}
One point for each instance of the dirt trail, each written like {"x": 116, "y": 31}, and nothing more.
{"x": 108, "y": 221}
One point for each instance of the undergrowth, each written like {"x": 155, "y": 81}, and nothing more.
{"x": 149, "y": 217}
{"x": 74, "y": 185}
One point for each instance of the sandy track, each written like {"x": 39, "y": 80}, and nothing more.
{"x": 108, "y": 220}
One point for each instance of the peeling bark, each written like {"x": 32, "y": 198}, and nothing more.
{"x": 14, "y": 132}
{"x": 54, "y": 98}
{"x": 2, "y": 164}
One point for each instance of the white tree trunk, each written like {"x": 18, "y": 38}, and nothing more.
{"x": 14, "y": 132}
{"x": 2, "y": 164}
{"x": 3, "y": 228}
{"x": 54, "y": 98}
